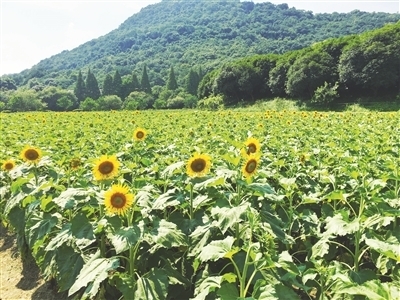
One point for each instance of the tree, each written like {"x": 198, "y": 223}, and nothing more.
{"x": 108, "y": 87}
{"x": 171, "y": 83}
{"x": 88, "y": 105}
{"x": 109, "y": 102}
{"x": 145, "y": 83}
{"x": 192, "y": 82}
{"x": 25, "y": 100}
{"x": 92, "y": 86}
{"x": 325, "y": 94}
{"x": 64, "y": 103}
{"x": 80, "y": 89}
{"x": 138, "y": 100}
{"x": 51, "y": 95}
{"x": 117, "y": 84}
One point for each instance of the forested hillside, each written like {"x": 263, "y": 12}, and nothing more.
{"x": 187, "y": 34}
{"x": 352, "y": 66}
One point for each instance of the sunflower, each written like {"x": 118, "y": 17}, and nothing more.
{"x": 8, "y": 165}
{"x": 106, "y": 167}
{"x": 75, "y": 163}
{"x": 139, "y": 134}
{"x": 31, "y": 154}
{"x": 250, "y": 166}
{"x": 198, "y": 165}
{"x": 252, "y": 146}
{"x": 118, "y": 199}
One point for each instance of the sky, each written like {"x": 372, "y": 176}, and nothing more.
{"x": 32, "y": 30}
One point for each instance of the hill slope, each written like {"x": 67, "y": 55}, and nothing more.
{"x": 203, "y": 33}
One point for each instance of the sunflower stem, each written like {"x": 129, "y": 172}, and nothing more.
{"x": 191, "y": 201}
{"x": 237, "y": 227}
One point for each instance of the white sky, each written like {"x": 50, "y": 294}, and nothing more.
{"x": 32, "y": 30}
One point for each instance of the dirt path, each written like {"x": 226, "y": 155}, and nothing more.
{"x": 20, "y": 280}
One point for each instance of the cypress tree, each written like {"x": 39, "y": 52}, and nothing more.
{"x": 80, "y": 88}
{"x": 92, "y": 87}
{"x": 135, "y": 83}
{"x": 172, "y": 85}
{"x": 145, "y": 83}
{"x": 117, "y": 84}
{"x": 108, "y": 88}
{"x": 192, "y": 82}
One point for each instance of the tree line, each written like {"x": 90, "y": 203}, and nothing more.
{"x": 326, "y": 72}
{"x": 116, "y": 92}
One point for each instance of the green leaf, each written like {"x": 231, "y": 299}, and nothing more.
{"x": 171, "y": 169}
{"x": 389, "y": 248}
{"x": 68, "y": 198}
{"x": 39, "y": 225}
{"x": 170, "y": 199}
{"x": 276, "y": 226}
{"x": 263, "y": 189}
{"x": 286, "y": 262}
{"x": 216, "y": 249}
{"x": 340, "y": 225}
{"x": 268, "y": 291}
{"x": 373, "y": 290}
{"x": 320, "y": 248}
{"x": 82, "y": 230}
{"x": 226, "y": 217}
{"x": 209, "y": 284}
{"x": 69, "y": 264}
{"x": 228, "y": 291}
{"x": 93, "y": 273}
{"x": 213, "y": 181}
{"x": 165, "y": 234}
{"x": 64, "y": 236}
{"x": 151, "y": 286}
{"x": 362, "y": 276}
{"x": 199, "y": 238}
{"x": 126, "y": 237}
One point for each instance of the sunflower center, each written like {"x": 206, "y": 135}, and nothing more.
{"x": 106, "y": 167}
{"x": 9, "y": 166}
{"x": 118, "y": 200}
{"x": 198, "y": 165}
{"x": 31, "y": 154}
{"x": 251, "y": 166}
{"x": 139, "y": 134}
{"x": 251, "y": 148}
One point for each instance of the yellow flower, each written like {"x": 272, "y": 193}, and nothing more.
{"x": 8, "y": 165}
{"x": 75, "y": 163}
{"x": 251, "y": 165}
{"x": 118, "y": 199}
{"x": 31, "y": 154}
{"x": 139, "y": 134}
{"x": 252, "y": 146}
{"x": 106, "y": 167}
{"x": 198, "y": 165}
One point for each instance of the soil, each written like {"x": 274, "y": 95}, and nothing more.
{"x": 21, "y": 279}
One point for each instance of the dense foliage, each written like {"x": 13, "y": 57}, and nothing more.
{"x": 351, "y": 66}
{"x": 186, "y": 34}
{"x": 199, "y": 205}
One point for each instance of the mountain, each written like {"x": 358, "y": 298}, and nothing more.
{"x": 186, "y": 34}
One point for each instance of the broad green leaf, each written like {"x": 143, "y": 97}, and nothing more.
{"x": 39, "y": 225}
{"x": 200, "y": 238}
{"x": 82, "y": 230}
{"x": 151, "y": 286}
{"x": 165, "y": 234}
{"x": 171, "y": 169}
{"x": 126, "y": 237}
{"x": 69, "y": 264}
{"x": 213, "y": 181}
{"x": 362, "y": 276}
{"x": 69, "y": 198}
{"x": 373, "y": 289}
{"x": 270, "y": 291}
{"x": 64, "y": 236}
{"x": 389, "y": 248}
{"x": 226, "y": 217}
{"x": 337, "y": 225}
{"x": 262, "y": 189}
{"x": 171, "y": 198}
{"x": 94, "y": 272}
{"x": 285, "y": 261}
{"x": 124, "y": 283}
{"x": 209, "y": 284}
{"x": 320, "y": 248}
{"x": 228, "y": 291}
{"x": 276, "y": 226}
{"x": 201, "y": 200}
{"x": 216, "y": 249}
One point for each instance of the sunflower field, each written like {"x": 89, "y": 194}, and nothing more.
{"x": 206, "y": 205}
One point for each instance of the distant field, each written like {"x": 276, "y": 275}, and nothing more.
{"x": 313, "y": 211}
